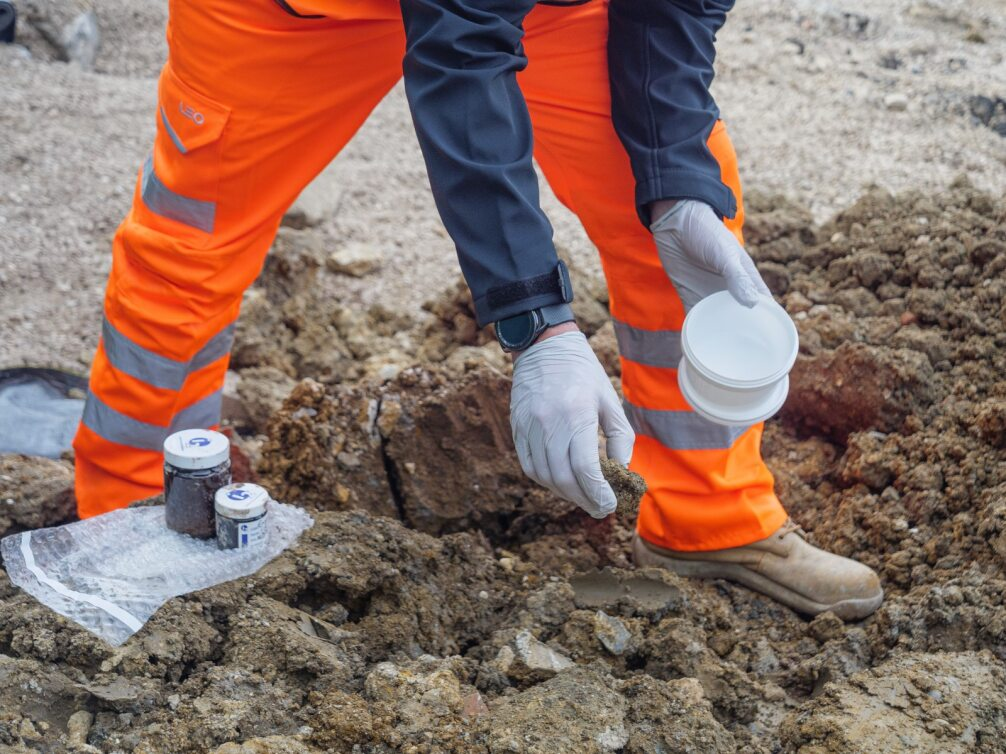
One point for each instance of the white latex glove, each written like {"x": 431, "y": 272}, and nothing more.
{"x": 560, "y": 392}
{"x": 702, "y": 257}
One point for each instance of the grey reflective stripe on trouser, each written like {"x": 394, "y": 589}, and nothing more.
{"x": 154, "y": 369}
{"x": 171, "y": 132}
{"x": 652, "y": 348}
{"x": 681, "y": 430}
{"x": 116, "y": 427}
{"x": 164, "y": 202}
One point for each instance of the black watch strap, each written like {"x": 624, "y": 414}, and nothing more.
{"x": 556, "y": 281}
{"x": 557, "y": 314}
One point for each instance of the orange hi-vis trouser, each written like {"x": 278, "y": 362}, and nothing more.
{"x": 253, "y": 103}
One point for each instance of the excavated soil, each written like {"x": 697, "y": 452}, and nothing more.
{"x": 441, "y": 603}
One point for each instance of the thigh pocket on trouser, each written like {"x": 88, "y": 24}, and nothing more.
{"x": 181, "y": 177}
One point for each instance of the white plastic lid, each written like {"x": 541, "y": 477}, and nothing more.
{"x": 241, "y": 500}
{"x": 739, "y": 347}
{"x": 763, "y": 404}
{"x": 196, "y": 449}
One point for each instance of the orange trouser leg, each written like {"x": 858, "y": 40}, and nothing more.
{"x": 253, "y": 103}
{"x": 708, "y": 486}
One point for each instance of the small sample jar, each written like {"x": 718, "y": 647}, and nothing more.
{"x": 241, "y": 516}
{"x": 197, "y": 463}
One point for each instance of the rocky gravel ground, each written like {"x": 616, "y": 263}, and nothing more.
{"x": 822, "y": 98}
{"x": 441, "y": 603}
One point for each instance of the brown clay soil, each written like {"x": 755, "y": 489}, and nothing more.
{"x": 441, "y": 603}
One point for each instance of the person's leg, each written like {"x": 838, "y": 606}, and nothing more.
{"x": 710, "y": 510}
{"x": 252, "y": 104}
{"x": 708, "y": 486}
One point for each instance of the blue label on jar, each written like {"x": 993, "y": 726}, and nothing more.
{"x": 199, "y": 442}
{"x": 238, "y": 495}
{"x": 233, "y": 534}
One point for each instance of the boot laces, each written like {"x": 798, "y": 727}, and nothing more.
{"x": 792, "y": 526}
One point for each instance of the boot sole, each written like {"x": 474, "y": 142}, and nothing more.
{"x": 847, "y": 610}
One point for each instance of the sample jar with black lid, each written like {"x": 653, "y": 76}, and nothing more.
{"x": 241, "y": 516}
{"x": 197, "y": 463}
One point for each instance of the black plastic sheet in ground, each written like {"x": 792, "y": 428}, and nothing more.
{"x": 8, "y": 20}
{"x": 39, "y": 410}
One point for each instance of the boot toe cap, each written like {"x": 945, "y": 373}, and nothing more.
{"x": 844, "y": 586}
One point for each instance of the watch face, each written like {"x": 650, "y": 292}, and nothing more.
{"x": 515, "y": 332}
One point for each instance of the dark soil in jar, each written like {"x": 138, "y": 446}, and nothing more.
{"x": 188, "y": 498}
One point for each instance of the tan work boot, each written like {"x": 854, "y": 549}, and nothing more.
{"x": 784, "y": 566}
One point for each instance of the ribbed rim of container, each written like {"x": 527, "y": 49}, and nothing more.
{"x": 705, "y": 412}
{"x": 728, "y": 382}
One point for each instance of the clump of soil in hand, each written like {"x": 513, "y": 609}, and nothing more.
{"x": 628, "y": 487}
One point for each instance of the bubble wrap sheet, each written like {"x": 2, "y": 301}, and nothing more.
{"x": 110, "y": 573}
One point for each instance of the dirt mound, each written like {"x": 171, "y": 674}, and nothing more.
{"x": 912, "y": 703}
{"x": 35, "y": 492}
{"x": 289, "y": 325}
{"x": 856, "y": 387}
{"x": 902, "y": 311}
{"x": 291, "y": 330}
{"x": 442, "y": 603}
{"x": 364, "y": 633}
{"x": 434, "y": 450}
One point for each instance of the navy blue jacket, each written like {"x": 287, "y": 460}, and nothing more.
{"x": 460, "y": 70}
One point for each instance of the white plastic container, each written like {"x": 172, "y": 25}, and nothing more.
{"x": 241, "y": 510}
{"x": 736, "y": 361}
{"x": 197, "y": 462}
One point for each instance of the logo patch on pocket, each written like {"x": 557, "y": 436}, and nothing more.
{"x": 191, "y": 113}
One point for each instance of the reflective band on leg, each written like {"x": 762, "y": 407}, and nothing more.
{"x": 138, "y": 362}
{"x": 216, "y": 347}
{"x": 116, "y": 427}
{"x": 652, "y": 348}
{"x": 681, "y": 430}
{"x": 171, "y": 132}
{"x": 164, "y": 202}
{"x": 202, "y": 414}
{"x": 154, "y": 369}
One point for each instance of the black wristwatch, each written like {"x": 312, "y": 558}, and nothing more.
{"x": 520, "y": 331}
